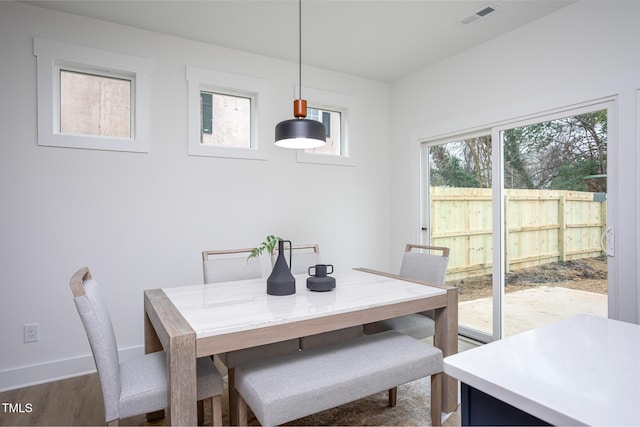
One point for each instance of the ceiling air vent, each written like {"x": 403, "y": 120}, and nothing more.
{"x": 479, "y": 14}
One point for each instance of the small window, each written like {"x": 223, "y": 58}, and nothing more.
{"x": 331, "y": 122}
{"x": 91, "y": 98}
{"x": 226, "y": 120}
{"x": 332, "y": 110}
{"x": 96, "y": 105}
{"x": 223, "y": 118}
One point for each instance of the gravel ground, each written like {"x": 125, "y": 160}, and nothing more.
{"x": 588, "y": 274}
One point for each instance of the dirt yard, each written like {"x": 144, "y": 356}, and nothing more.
{"x": 589, "y": 274}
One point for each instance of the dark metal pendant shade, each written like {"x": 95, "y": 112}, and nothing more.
{"x": 300, "y": 133}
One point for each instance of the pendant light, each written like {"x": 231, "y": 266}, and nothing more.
{"x": 300, "y": 132}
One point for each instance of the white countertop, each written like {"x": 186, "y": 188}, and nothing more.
{"x": 220, "y": 308}
{"x": 582, "y": 370}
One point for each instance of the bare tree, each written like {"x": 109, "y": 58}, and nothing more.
{"x": 568, "y": 154}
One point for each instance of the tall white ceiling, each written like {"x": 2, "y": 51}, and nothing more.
{"x": 378, "y": 39}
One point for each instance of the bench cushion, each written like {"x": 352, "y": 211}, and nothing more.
{"x": 292, "y": 386}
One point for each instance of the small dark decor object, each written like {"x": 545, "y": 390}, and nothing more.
{"x": 281, "y": 282}
{"x": 319, "y": 281}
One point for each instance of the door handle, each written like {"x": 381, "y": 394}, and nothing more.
{"x": 609, "y": 235}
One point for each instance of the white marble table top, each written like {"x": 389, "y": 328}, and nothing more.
{"x": 221, "y": 308}
{"x": 582, "y": 370}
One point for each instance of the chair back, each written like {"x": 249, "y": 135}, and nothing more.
{"x": 97, "y": 324}
{"x": 421, "y": 264}
{"x": 303, "y": 257}
{"x": 230, "y": 264}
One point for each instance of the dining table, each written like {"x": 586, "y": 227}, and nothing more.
{"x": 193, "y": 321}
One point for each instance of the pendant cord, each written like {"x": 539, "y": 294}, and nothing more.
{"x": 300, "y": 48}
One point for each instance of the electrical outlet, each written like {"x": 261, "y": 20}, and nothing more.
{"x": 31, "y": 332}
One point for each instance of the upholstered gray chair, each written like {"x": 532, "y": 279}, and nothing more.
{"x": 229, "y": 265}
{"x": 138, "y": 385}
{"x": 420, "y": 265}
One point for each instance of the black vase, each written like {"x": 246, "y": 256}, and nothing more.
{"x": 281, "y": 281}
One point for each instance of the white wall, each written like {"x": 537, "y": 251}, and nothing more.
{"x": 140, "y": 221}
{"x": 583, "y": 52}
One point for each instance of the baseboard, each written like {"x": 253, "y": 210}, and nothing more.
{"x": 25, "y": 376}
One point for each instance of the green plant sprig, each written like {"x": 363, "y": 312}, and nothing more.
{"x": 269, "y": 244}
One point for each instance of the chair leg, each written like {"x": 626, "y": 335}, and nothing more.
{"x": 216, "y": 410}
{"x": 200, "y": 412}
{"x": 213, "y": 405}
{"x": 436, "y": 399}
{"x": 242, "y": 411}
{"x": 393, "y": 397}
{"x": 233, "y": 397}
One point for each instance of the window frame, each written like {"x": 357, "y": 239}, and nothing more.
{"x": 219, "y": 82}
{"x": 53, "y": 56}
{"x": 337, "y": 102}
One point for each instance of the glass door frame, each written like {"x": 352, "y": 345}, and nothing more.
{"x": 425, "y": 209}
{"x": 496, "y": 130}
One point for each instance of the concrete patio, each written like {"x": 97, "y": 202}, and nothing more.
{"x": 530, "y": 308}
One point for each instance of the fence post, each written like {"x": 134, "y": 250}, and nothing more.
{"x": 562, "y": 223}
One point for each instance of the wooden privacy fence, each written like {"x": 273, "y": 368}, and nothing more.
{"x": 541, "y": 226}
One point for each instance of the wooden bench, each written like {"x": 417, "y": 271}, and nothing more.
{"x": 292, "y": 386}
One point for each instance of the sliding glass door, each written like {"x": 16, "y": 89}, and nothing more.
{"x": 527, "y": 236}
{"x": 458, "y": 214}
{"x": 555, "y": 211}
